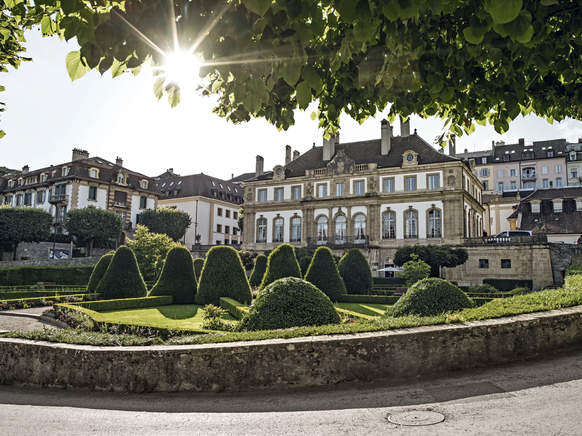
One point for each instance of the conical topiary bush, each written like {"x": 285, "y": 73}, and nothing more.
{"x": 324, "y": 275}
{"x": 198, "y": 265}
{"x": 99, "y": 272}
{"x": 281, "y": 263}
{"x": 223, "y": 275}
{"x": 177, "y": 278}
{"x": 122, "y": 279}
{"x": 258, "y": 270}
{"x": 355, "y": 271}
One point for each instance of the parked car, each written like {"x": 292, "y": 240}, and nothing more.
{"x": 508, "y": 234}
{"x": 579, "y": 240}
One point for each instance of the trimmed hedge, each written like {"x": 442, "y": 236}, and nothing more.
{"x": 198, "y": 265}
{"x": 391, "y": 281}
{"x": 368, "y": 299}
{"x": 122, "y": 279}
{"x": 352, "y": 314}
{"x": 290, "y": 302}
{"x": 124, "y": 303}
{"x": 37, "y": 294}
{"x": 508, "y": 284}
{"x": 354, "y": 269}
{"x": 258, "y": 271}
{"x": 31, "y": 275}
{"x": 233, "y": 307}
{"x": 177, "y": 278}
{"x": 304, "y": 263}
{"x": 281, "y": 263}
{"x": 431, "y": 297}
{"x": 39, "y": 299}
{"x": 323, "y": 274}
{"x": 99, "y": 271}
{"x": 573, "y": 270}
{"x": 482, "y": 289}
{"x": 223, "y": 275}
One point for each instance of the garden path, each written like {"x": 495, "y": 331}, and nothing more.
{"x": 12, "y": 321}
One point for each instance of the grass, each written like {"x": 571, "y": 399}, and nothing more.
{"x": 569, "y": 295}
{"x": 175, "y": 317}
{"x": 366, "y": 309}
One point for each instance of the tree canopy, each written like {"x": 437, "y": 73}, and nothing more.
{"x": 434, "y": 255}
{"x": 24, "y": 224}
{"x": 463, "y": 61}
{"x": 150, "y": 250}
{"x": 90, "y": 225}
{"x": 167, "y": 221}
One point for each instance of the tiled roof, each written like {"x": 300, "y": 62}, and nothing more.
{"x": 242, "y": 178}
{"x": 539, "y": 148}
{"x": 200, "y": 185}
{"x": 366, "y": 152}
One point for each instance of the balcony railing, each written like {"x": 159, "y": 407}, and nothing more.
{"x": 528, "y": 176}
{"x": 59, "y": 199}
{"x": 339, "y": 242}
{"x": 511, "y": 240}
{"x": 119, "y": 204}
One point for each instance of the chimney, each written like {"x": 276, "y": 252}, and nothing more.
{"x": 295, "y": 154}
{"x": 119, "y": 161}
{"x": 521, "y": 142}
{"x": 493, "y": 145}
{"x": 385, "y": 137}
{"x": 404, "y": 128}
{"x": 260, "y": 162}
{"x": 171, "y": 171}
{"x": 466, "y": 151}
{"x": 79, "y": 154}
{"x": 453, "y": 146}
{"x": 25, "y": 169}
{"x": 329, "y": 146}
{"x": 579, "y": 140}
{"x": 287, "y": 154}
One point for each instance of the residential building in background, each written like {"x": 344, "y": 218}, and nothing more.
{"x": 83, "y": 182}
{"x": 212, "y": 203}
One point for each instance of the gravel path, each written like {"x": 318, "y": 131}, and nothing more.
{"x": 11, "y": 322}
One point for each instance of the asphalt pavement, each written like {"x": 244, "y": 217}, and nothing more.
{"x": 541, "y": 397}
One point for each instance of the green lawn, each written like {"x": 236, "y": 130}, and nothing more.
{"x": 180, "y": 316}
{"x": 365, "y": 308}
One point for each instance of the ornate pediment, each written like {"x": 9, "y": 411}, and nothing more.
{"x": 340, "y": 164}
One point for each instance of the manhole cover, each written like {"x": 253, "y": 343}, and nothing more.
{"x": 416, "y": 417}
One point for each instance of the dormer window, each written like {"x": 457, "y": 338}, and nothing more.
{"x": 94, "y": 172}
{"x": 43, "y": 177}
{"x": 65, "y": 171}
{"x": 11, "y": 183}
{"x": 121, "y": 178}
{"x": 20, "y": 182}
{"x": 144, "y": 184}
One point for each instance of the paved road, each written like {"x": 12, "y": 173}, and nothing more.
{"x": 529, "y": 398}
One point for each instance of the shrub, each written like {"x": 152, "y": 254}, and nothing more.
{"x": 415, "y": 270}
{"x": 505, "y": 285}
{"x": 31, "y": 275}
{"x": 290, "y": 302}
{"x": 304, "y": 263}
{"x": 247, "y": 258}
{"x": 177, "y": 278}
{"x": 198, "y": 264}
{"x": 223, "y": 275}
{"x": 281, "y": 263}
{"x": 121, "y": 304}
{"x": 519, "y": 291}
{"x": 355, "y": 271}
{"x": 574, "y": 270}
{"x": 258, "y": 271}
{"x": 324, "y": 275}
{"x": 99, "y": 271}
{"x": 482, "y": 289}
{"x": 430, "y": 297}
{"x": 122, "y": 279}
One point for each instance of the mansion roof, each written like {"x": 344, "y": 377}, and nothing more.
{"x": 199, "y": 185}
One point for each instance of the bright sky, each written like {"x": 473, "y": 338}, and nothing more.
{"x": 47, "y": 116}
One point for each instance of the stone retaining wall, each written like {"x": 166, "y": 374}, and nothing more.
{"x": 389, "y": 355}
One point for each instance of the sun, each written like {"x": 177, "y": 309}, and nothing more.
{"x": 182, "y": 68}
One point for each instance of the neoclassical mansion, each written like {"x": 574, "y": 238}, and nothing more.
{"x": 375, "y": 195}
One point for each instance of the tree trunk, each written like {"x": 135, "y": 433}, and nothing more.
{"x": 90, "y": 248}
{"x": 15, "y": 250}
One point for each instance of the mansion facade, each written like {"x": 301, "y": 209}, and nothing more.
{"x": 374, "y": 195}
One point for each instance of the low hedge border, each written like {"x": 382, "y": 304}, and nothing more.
{"x": 508, "y": 284}
{"x": 125, "y": 303}
{"x": 39, "y": 299}
{"x": 236, "y": 309}
{"x": 345, "y": 312}
{"x": 12, "y": 295}
{"x": 369, "y": 299}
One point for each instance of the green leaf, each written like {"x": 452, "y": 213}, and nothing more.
{"x": 2, "y": 89}
{"x": 456, "y": 130}
{"x": 347, "y": 10}
{"x": 303, "y": 95}
{"x": 259, "y": 7}
{"x": 12, "y": 3}
{"x": 47, "y": 27}
{"x": 313, "y": 116}
{"x": 526, "y": 37}
{"x": 470, "y": 36}
{"x": 549, "y": 2}
{"x": 312, "y": 78}
{"x": 159, "y": 87}
{"x": 568, "y": 76}
{"x": 174, "y": 96}
{"x": 291, "y": 71}
{"x": 118, "y": 68}
{"x": 495, "y": 55}
{"x": 2, "y": 134}
{"x": 75, "y": 66}
{"x": 4, "y": 33}
{"x": 503, "y": 11}
{"x": 391, "y": 11}
{"x": 364, "y": 30}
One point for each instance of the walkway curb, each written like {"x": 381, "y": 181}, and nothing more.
{"x": 21, "y": 314}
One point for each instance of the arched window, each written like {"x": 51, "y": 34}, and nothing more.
{"x": 359, "y": 229}
{"x": 322, "y": 230}
{"x": 389, "y": 225}
{"x": 411, "y": 224}
{"x": 434, "y": 223}
{"x": 278, "y": 230}
{"x": 295, "y": 229}
{"x": 340, "y": 229}
{"x": 262, "y": 230}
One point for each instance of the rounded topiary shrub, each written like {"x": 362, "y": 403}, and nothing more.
{"x": 281, "y": 263}
{"x": 324, "y": 275}
{"x": 355, "y": 271}
{"x": 289, "y": 302}
{"x": 430, "y": 297}
{"x": 122, "y": 279}
{"x": 177, "y": 278}
{"x": 258, "y": 271}
{"x": 304, "y": 263}
{"x": 223, "y": 275}
{"x": 198, "y": 265}
{"x": 99, "y": 272}
{"x": 483, "y": 289}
